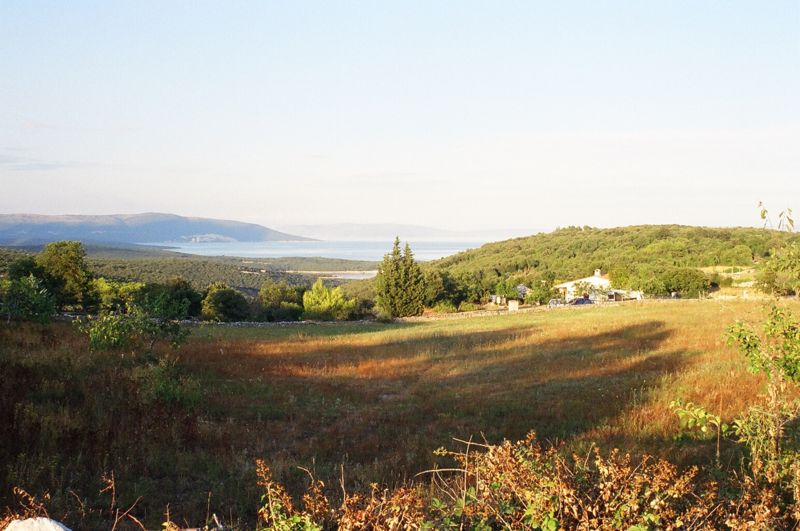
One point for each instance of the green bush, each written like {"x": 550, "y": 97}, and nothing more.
{"x": 139, "y": 327}
{"x": 164, "y": 382}
{"x": 279, "y": 301}
{"x": 687, "y": 281}
{"x": 541, "y": 291}
{"x": 26, "y": 299}
{"x": 108, "y": 331}
{"x": 222, "y": 303}
{"x": 288, "y": 311}
{"x": 780, "y": 273}
{"x": 327, "y": 304}
{"x": 717, "y": 280}
{"x": 444, "y": 307}
{"x": 113, "y": 296}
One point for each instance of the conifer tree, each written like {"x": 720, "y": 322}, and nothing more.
{"x": 400, "y": 284}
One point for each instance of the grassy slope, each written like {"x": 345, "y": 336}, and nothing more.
{"x": 379, "y": 398}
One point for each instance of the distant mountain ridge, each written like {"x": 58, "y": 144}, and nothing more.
{"x": 28, "y": 229}
{"x": 388, "y": 231}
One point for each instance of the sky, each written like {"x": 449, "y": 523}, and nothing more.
{"x": 459, "y": 115}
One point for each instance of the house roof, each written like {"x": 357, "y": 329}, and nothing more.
{"x": 597, "y": 281}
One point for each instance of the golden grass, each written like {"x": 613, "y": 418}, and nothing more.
{"x": 383, "y": 396}
{"x": 379, "y": 398}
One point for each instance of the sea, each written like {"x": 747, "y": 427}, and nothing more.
{"x": 372, "y": 251}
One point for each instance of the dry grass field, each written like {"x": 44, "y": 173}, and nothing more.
{"x": 381, "y": 397}
{"x": 376, "y": 398}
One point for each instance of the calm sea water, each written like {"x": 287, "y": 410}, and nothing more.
{"x": 349, "y": 250}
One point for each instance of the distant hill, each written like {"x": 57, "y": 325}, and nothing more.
{"x": 32, "y": 229}
{"x": 388, "y": 231}
{"x": 576, "y": 252}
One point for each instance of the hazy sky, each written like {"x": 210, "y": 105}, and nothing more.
{"x": 452, "y": 114}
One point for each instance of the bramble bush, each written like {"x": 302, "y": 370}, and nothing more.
{"x": 527, "y": 485}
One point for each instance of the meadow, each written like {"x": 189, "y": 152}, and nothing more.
{"x": 371, "y": 401}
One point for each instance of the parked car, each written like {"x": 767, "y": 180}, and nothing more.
{"x": 554, "y": 303}
{"x": 580, "y": 301}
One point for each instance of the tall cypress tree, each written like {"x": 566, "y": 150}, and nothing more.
{"x": 400, "y": 284}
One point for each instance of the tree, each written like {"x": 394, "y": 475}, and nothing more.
{"x": 273, "y": 293}
{"x": 687, "y": 281}
{"x": 178, "y": 292}
{"x": 326, "y": 304}
{"x": 435, "y": 287}
{"x": 222, "y": 303}
{"x": 507, "y": 288}
{"x": 400, "y": 284}
{"x": 541, "y": 290}
{"x": 179, "y": 289}
{"x": 115, "y": 296}
{"x": 26, "y": 299}
{"x": 24, "y": 267}
{"x": 67, "y": 276}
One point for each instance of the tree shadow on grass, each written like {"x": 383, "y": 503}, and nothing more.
{"x": 382, "y": 408}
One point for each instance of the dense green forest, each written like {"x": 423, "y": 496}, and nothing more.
{"x": 200, "y": 272}
{"x": 158, "y": 265}
{"x": 656, "y": 259}
{"x": 574, "y": 252}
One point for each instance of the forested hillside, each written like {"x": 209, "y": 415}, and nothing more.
{"x": 574, "y": 252}
{"x": 159, "y": 266}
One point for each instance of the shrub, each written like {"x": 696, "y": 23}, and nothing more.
{"x": 26, "y": 299}
{"x": 164, "y": 382}
{"x": 444, "y": 307}
{"x": 280, "y": 301}
{"x": 326, "y": 304}
{"x": 780, "y": 273}
{"x": 222, "y": 303}
{"x": 717, "y": 280}
{"x": 287, "y": 311}
{"x": 114, "y": 296}
{"x": 468, "y": 307}
{"x": 687, "y": 281}
{"x": 108, "y": 331}
{"x": 526, "y": 485}
{"x": 139, "y": 327}
{"x": 541, "y": 291}
{"x": 181, "y": 292}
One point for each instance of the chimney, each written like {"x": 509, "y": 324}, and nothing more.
{"x": 597, "y": 273}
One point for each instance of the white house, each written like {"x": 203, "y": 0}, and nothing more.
{"x": 595, "y": 287}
